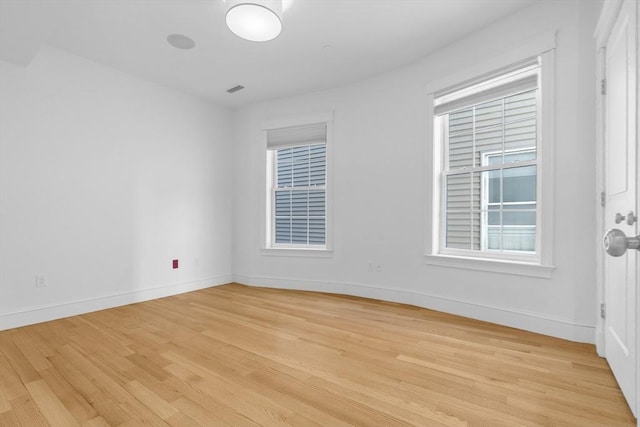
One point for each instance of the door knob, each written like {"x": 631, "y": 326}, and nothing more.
{"x": 616, "y": 243}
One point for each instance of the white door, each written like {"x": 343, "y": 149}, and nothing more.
{"x": 621, "y": 198}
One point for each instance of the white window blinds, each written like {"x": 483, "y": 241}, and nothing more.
{"x": 523, "y": 84}
{"x": 293, "y": 136}
{"x": 521, "y": 77}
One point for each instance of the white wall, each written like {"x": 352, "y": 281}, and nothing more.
{"x": 380, "y": 187}
{"x": 104, "y": 179}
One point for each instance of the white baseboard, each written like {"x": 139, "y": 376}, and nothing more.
{"x": 600, "y": 342}
{"x": 40, "y": 314}
{"x": 534, "y": 322}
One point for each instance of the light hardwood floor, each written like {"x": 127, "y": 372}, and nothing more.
{"x": 236, "y": 355}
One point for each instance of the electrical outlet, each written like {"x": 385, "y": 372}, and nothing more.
{"x": 41, "y": 281}
{"x": 378, "y": 267}
{"x": 175, "y": 263}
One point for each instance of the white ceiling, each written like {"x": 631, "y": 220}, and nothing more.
{"x": 324, "y": 43}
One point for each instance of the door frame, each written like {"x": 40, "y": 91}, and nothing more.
{"x": 606, "y": 21}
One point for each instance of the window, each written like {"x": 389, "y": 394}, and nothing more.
{"x": 297, "y": 190}
{"x": 488, "y": 134}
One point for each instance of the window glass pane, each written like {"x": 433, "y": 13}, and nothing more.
{"x": 489, "y": 130}
{"x": 520, "y": 130}
{"x": 518, "y": 217}
{"x": 463, "y": 191}
{"x": 519, "y": 156}
{"x": 508, "y": 199}
{"x": 519, "y": 184}
{"x": 519, "y": 239}
{"x": 283, "y": 203}
{"x": 512, "y": 157}
{"x": 463, "y": 230}
{"x": 493, "y": 186}
{"x": 460, "y": 144}
{"x": 317, "y": 165}
{"x": 461, "y": 122}
{"x": 459, "y": 191}
{"x": 300, "y": 208}
{"x": 521, "y": 107}
{"x": 283, "y": 230}
{"x": 299, "y": 203}
{"x": 488, "y": 116}
{"x": 461, "y": 151}
{"x": 301, "y": 166}
{"x": 317, "y": 203}
{"x": 463, "y": 206}
{"x": 458, "y": 234}
{"x": 493, "y": 217}
{"x": 494, "y": 238}
{"x": 316, "y": 231}
{"x": 510, "y": 223}
{"x": 489, "y": 141}
{"x": 299, "y": 230}
{"x": 284, "y": 167}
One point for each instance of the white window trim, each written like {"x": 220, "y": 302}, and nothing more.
{"x": 496, "y": 255}
{"x": 491, "y": 265}
{"x": 267, "y": 247}
{"x": 296, "y": 252}
{"x": 541, "y": 267}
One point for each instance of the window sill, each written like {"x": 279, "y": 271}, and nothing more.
{"x": 297, "y": 252}
{"x": 492, "y": 265}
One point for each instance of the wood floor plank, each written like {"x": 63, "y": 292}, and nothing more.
{"x": 151, "y": 400}
{"x": 49, "y": 405}
{"x": 31, "y": 350}
{"x": 8, "y": 419}
{"x": 249, "y": 402}
{"x": 111, "y": 412}
{"x": 241, "y": 356}
{"x": 95, "y": 422}
{"x": 180, "y": 419}
{"x": 26, "y": 412}
{"x": 71, "y": 398}
{"x": 4, "y": 403}
{"x": 17, "y": 360}
{"x": 215, "y": 414}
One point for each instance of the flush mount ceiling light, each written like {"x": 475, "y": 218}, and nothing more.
{"x": 255, "y": 20}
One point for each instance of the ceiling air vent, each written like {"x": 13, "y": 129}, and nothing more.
{"x": 235, "y": 89}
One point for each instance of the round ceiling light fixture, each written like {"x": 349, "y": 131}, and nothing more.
{"x": 255, "y": 20}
